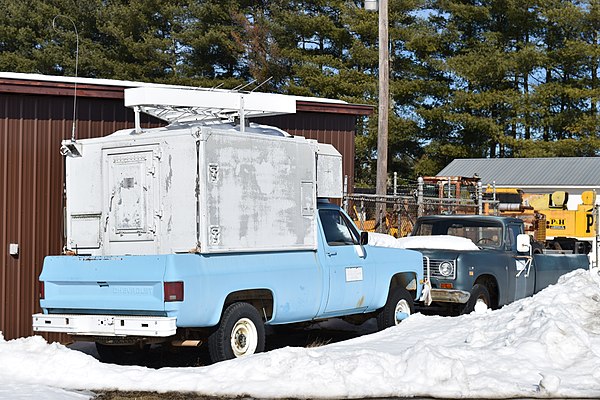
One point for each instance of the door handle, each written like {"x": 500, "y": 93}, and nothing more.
{"x": 331, "y": 253}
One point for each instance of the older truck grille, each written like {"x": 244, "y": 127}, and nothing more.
{"x": 434, "y": 271}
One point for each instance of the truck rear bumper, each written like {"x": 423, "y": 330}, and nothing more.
{"x": 450, "y": 296}
{"x": 105, "y": 325}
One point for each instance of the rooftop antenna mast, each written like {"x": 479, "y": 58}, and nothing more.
{"x": 263, "y": 82}
{"x": 76, "y": 66}
{"x": 243, "y": 85}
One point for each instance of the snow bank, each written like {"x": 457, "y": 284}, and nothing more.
{"x": 444, "y": 242}
{"x": 544, "y": 346}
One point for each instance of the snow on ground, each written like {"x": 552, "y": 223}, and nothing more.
{"x": 444, "y": 242}
{"x": 539, "y": 347}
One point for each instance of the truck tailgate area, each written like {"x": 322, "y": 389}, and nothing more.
{"x": 123, "y": 285}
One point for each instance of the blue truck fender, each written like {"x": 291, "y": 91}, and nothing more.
{"x": 389, "y": 276}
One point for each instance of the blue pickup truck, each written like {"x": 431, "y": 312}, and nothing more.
{"x": 473, "y": 260}
{"x": 206, "y": 233}
{"x": 126, "y": 302}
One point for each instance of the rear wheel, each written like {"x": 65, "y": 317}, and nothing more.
{"x": 398, "y": 307}
{"x": 240, "y": 333}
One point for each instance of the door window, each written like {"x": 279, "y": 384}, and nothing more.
{"x": 511, "y": 236}
{"x": 337, "y": 229}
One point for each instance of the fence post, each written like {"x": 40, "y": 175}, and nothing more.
{"x": 480, "y": 198}
{"x": 362, "y": 215}
{"x": 395, "y": 184}
{"x": 345, "y": 201}
{"x": 420, "y": 196}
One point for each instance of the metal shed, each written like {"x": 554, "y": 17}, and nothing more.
{"x": 36, "y": 113}
{"x": 533, "y": 175}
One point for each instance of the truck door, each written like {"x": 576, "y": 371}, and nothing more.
{"x": 521, "y": 275}
{"x": 349, "y": 277}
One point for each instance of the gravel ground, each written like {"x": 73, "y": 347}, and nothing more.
{"x": 155, "y": 396}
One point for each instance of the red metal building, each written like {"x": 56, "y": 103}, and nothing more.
{"x": 36, "y": 114}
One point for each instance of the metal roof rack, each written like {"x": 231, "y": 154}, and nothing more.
{"x": 205, "y": 106}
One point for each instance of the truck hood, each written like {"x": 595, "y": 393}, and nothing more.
{"x": 437, "y": 242}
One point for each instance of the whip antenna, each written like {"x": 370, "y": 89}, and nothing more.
{"x": 76, "y": 65}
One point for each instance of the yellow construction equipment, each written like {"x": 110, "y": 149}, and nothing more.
{"x": 548, "y": 219}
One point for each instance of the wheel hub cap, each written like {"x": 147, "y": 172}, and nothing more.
{"x": 402, "y": 311}
{"x": 244, "y": 338}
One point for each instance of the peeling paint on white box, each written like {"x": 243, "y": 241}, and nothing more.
{"x": 191, "y": 189}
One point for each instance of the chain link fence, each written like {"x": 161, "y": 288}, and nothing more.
{"x": 396, "y": 214}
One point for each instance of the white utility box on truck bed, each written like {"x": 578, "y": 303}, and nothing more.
{"x": 197, "y": 189}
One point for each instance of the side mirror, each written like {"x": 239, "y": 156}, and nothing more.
{"x": 364, "y": 238}
{"x": 523, "y": 243}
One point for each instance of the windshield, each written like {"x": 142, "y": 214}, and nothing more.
{"x": 482, "y": 233}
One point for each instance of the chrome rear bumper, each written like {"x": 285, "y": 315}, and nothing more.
{"x": 105, "y": 325}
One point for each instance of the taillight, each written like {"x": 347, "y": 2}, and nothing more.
{"x": 173, "y": 291}
{"x": 42, "y": 290}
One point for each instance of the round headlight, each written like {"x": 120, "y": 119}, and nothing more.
{"x": 446, "y": 268}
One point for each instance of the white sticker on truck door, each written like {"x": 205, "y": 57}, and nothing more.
{"x": 354, "y": 274}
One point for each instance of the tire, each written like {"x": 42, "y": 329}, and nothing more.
{"x": 240, "y": 333}
{"x": 479, "y": 293}
{"x": 122, "y": 354}
{"x": 399, "y": 299}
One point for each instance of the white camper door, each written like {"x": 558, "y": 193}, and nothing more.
{"x": 131, "y": 194}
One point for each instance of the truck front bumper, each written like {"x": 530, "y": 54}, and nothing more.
{"x": 105, "y": 325}
{"x": 450, "y": 295}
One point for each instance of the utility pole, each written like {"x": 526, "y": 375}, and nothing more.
{"x": 383, "y": 114}
{"x": 384, "y": 106}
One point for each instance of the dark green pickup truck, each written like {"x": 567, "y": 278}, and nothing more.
{"x": 496, "y": 269}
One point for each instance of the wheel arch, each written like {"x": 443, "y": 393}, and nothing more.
{"x": 491, "y": 283}
{"x": 407, "y": 280}
{"x": 261, "y": 299}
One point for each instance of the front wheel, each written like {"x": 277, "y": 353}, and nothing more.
{"x": 398, "y": 307}
{"x": 480, "y": 296}
{"x": 240, "y": 333}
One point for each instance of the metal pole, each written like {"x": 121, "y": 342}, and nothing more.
{"x": 395, "y": 184}
{"x": 242, "y": 115}
{"x": 382, "y": 120}
{"x": 138, "y": 125}
{"x": 345, "y": 196}
{"x": 420, "y": 197}
{"x": 480, "y": 197}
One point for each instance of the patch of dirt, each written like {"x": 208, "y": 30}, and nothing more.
{"x": 113, "y": 395}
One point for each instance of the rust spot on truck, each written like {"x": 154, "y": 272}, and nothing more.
{"x": 361, "y": 301}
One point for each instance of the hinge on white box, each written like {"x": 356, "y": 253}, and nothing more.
{"x": 196, "y": 132}
{"x": 213, "y": 172}
{"x": 215, "y": 235}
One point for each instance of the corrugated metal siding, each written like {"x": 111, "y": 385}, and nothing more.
{"x": 335, "y": 129}
{"x": 558, "y": 171}
{"x": 31, "y": 176}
